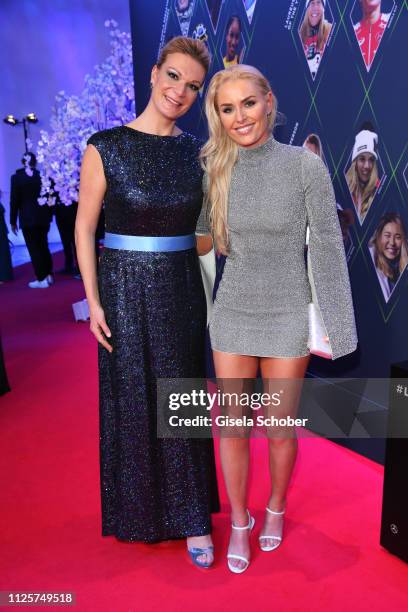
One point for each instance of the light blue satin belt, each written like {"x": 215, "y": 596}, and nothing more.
{"x": 150, "y": 243}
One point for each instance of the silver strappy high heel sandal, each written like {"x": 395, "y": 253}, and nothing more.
{"x": 276, "y": 536}
{"x": 233, "y": 568}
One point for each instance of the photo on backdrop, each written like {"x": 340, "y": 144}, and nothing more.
{"x": 389, "y": 251}
{"x": 364, "y": 172}
{"x": 370, "y": 18}
{"x": 233, "y": 47}
{"x": 184, "y": 11}
{"x": 314, "y": 144}
{"x": 315, "y": 29}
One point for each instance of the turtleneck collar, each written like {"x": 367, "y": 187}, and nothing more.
{"x": 257, "y": 153}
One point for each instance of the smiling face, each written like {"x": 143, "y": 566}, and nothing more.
{"x": 390, "y": 240}
{"x": 176, "y": 85}
{"x": 232, "y": 39}
{"x": 364, "y": 167}
{"x": 243, "y": 109}
{"x": 315, "y": 13}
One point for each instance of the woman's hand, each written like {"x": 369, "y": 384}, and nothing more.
{"x": 99, "y": 327}
{"x": 204, "y": 244}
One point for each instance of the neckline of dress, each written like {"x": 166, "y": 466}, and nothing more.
{"x": 256, "y": 153}
{"x": 153, "y": 135}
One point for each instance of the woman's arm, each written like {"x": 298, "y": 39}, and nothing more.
{"x": 91, "y": 192}
{"x": 327, "y": 256}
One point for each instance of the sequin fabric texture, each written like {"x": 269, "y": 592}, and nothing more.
{"x": 261, "y": 307}
{"x": 152, "y": 489}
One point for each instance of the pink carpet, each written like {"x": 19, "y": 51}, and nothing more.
{"x": 50, "y": 524}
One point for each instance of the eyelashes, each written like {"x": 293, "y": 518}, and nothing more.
{"x": 175, "y": 77}
{"x": 248, "y": 104}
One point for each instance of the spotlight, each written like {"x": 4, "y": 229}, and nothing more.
{"x": 30, "y": 118}
{"x": 11, "y": 120}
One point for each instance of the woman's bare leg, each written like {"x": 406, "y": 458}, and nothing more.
{"x": 234, "y": 451}
{"x": 282, "y": 448}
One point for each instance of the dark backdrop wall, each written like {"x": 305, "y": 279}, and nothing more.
{"x": 352, "y": 82}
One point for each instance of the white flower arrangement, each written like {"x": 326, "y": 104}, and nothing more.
{"x": 107, "y": 100}
{"x": 26, "y": 161}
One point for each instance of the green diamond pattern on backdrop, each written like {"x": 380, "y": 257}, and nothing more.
{"x": 339, "y": 73}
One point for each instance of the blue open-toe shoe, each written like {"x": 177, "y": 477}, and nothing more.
{"x": 197, "y": 552}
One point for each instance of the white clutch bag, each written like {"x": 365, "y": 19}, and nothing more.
{"x": 317, "y": 345}
{"x": 208, "y": 271}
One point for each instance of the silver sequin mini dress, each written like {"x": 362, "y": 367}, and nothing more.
{"x": 261, "y": 307}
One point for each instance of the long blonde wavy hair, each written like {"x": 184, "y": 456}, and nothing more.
{"x": 220, "y": 152}
{"x": 368, "y": 193}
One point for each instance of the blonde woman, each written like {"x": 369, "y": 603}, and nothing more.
{"x": 389, "y": 250}
{"x": 314, "y": 33}
{"x": 362, "y": 176}
{"x": 260, "y": 197}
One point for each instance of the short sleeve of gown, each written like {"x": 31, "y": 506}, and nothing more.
{"x": 103, "y": 145}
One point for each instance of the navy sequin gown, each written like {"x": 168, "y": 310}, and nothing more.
{"x": 152, "y": 489}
